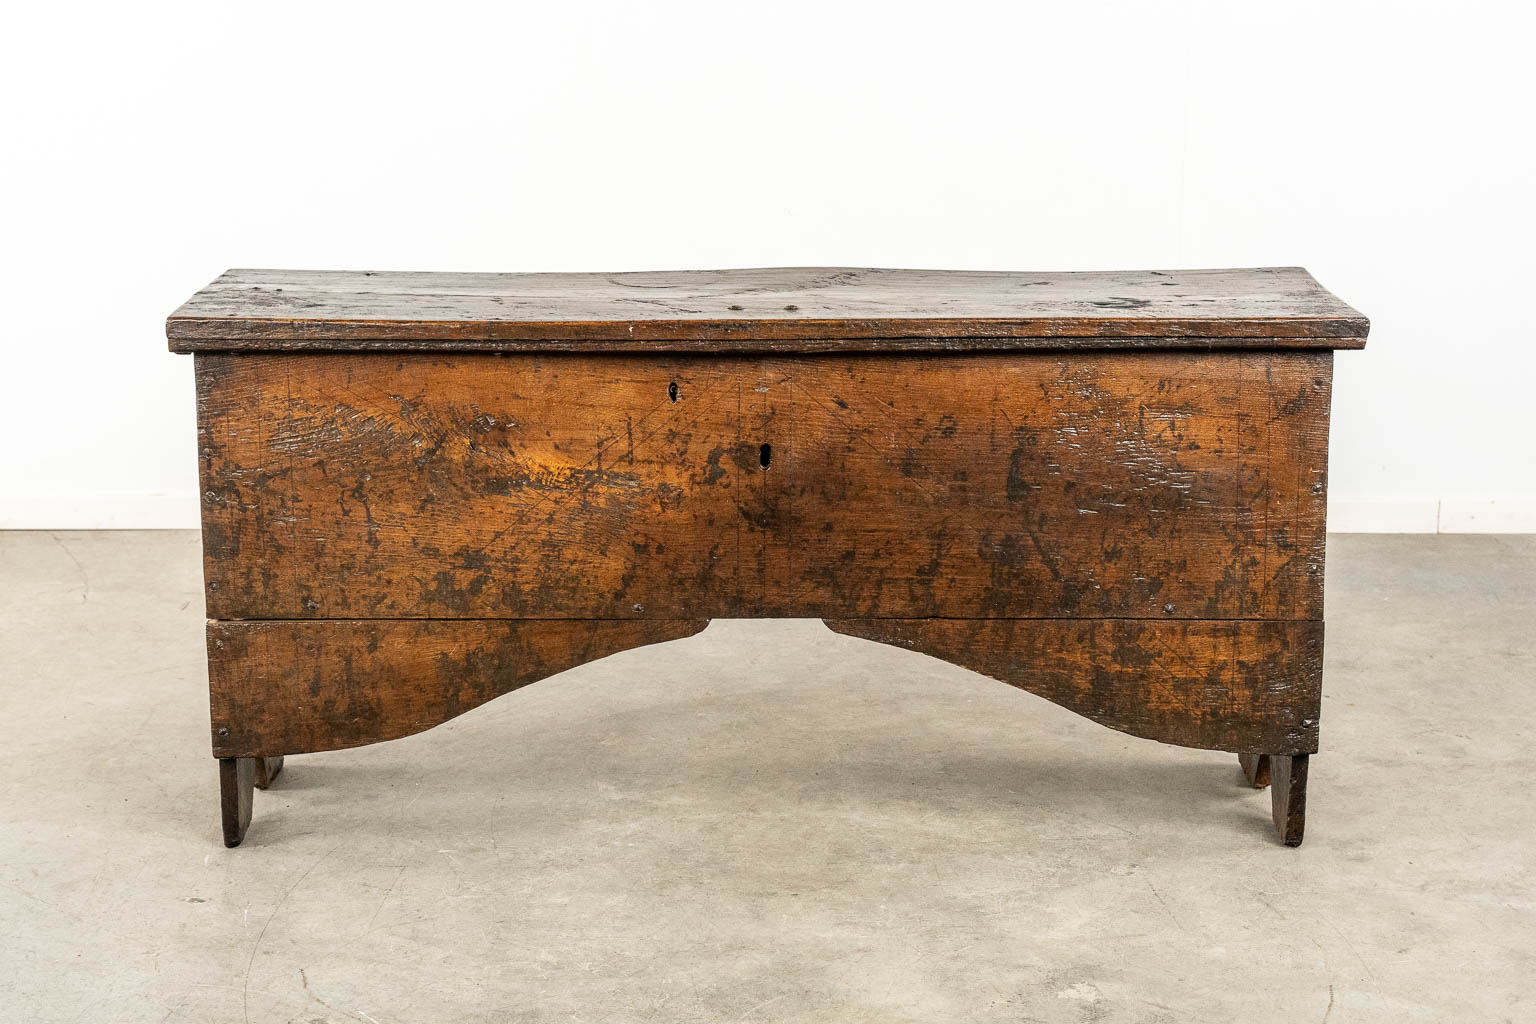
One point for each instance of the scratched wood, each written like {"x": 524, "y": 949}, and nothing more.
{"x": 421, "y": 491}
{"x": 795, "y": 309}
{"x": 477, "y": 486}
{"x": 1224, "y": 685}
{"x": 1151, "y": 485}
{"x": 287, "y": 687}
{"x": 1144, "y": 485}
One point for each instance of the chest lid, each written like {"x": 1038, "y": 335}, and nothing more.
{"x": 799, "y": 309}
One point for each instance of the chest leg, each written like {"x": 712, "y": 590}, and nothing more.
{"x": 1286, "y": 777}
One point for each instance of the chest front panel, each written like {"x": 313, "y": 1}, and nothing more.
{"x": 996, "y": 485}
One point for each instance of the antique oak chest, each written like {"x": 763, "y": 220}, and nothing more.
{"x": 422, "y": 491}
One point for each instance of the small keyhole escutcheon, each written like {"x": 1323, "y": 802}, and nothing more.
{"x": 765, "y": 456}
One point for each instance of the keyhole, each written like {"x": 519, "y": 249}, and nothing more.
{"x": 672, "y": 391}
{"x": 765, "y": 455}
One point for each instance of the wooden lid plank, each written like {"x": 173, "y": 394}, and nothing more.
{"x": 781, "y": 309}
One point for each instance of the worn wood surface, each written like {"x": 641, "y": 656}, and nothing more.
{"x": 787, "y": 309}
{"x": 421, "y": 491}
{"x": 1288, "y": 796}
{"x": 1255, "y": 769}
{"x": 289, "y": 687}
{"x": 1224, "y": 685}
{"x": 1136, "y": 485}
{"x": 237, "y": 777}
{"x": 267, "y": 771}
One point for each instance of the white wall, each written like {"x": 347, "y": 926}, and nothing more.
{"x": 1386, "y": 146}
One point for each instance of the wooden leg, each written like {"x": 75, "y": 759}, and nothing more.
{"x": 1256, "y": 768}
{"x": 1289, "y": 796}
{"x": 237, "y": 776}
{"x": 267, "y": 769}
{"x": 1287, "y": 777}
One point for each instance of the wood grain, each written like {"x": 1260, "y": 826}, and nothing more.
{"x": 267, "y": 771}
{"x": 742, "y": 311}
{"x": 290, "y": 687}
{"x": 1134, "y": 485}
{"x": 1255, "y": 769}
{"x": 1224, "y": 685}
{"x": 1288, "y": 796}
{"x": 421, "y": 491}
{"x": 237, "y": 777}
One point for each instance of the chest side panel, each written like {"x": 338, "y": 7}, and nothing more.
{"x": 1146, "y": 485}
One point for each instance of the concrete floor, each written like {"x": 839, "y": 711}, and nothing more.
{"x": 767, "y": 822}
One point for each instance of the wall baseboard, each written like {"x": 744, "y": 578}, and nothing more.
{"x": 1383, "y": 516}
{"x": 121, "y": 511}
{"x": 1487, "y": 516}
{"x": 162, "y": 511}
{"x": 1449, "y": 515}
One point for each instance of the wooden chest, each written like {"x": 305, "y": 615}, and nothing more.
{"x": 421, "y": 491}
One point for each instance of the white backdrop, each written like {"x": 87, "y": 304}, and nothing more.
{"x": 1385, "y": 146}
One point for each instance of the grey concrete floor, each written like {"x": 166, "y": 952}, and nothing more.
{"x": 767, "y": 822}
